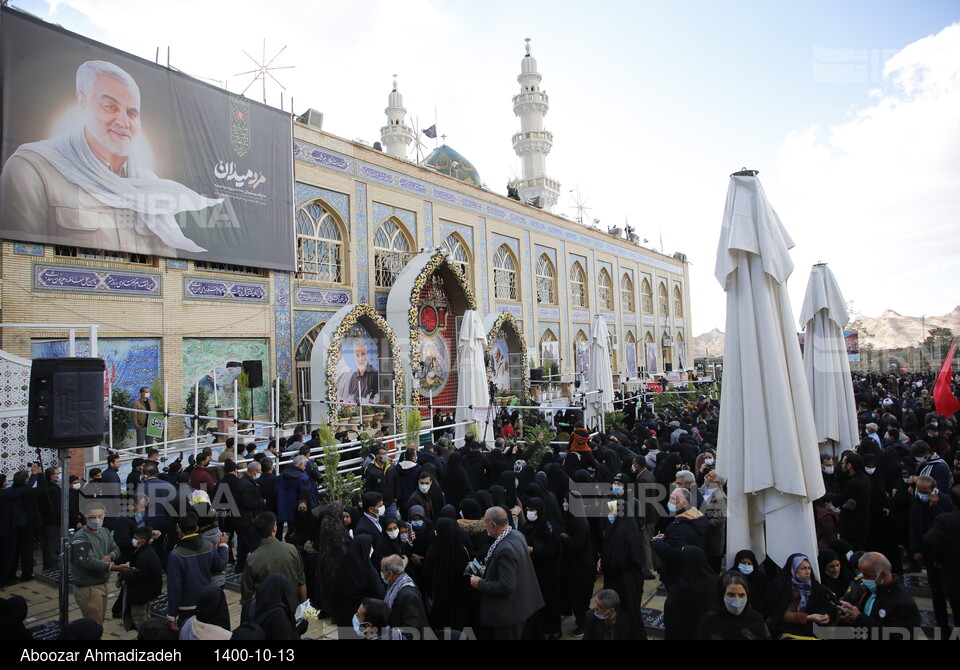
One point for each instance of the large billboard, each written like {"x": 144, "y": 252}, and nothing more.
{"x": 103, "y": 150}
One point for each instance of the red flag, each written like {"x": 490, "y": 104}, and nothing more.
{"x": 943, "y": 399}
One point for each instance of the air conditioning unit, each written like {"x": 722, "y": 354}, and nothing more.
{"x": 680, "y": 257}
{"x": 614, "y": 341}
{"x": 313, "y": 118}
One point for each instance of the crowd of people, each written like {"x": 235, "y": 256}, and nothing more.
{"x": 508, "y": 542}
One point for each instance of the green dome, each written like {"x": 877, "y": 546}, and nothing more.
{"x": 449, "y": 162}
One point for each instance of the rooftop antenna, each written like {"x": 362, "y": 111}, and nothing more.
{"x": 264, "y": 69}
{"x": 581, "y": 205}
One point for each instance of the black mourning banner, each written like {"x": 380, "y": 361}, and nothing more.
{"x": 104, "y": 150}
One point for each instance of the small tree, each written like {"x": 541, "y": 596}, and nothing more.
{"x": 203, "y": 407}
{"x": 286, "y": 403}
{"x": 245, "y": 399}
{"x": 156, "y": 392}
{"x": 120, "y": 421}
{"x": 339, "y": 486}
{"x": 412, "y": 425}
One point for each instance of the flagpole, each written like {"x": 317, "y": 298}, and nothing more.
{"x": 434, "y": 125}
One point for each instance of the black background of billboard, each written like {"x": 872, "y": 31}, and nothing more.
{"x": 187, "y": 123}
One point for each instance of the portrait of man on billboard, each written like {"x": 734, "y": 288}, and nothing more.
{"x": 359, "y": 379}
{"x": 501, "y": 368}
{"x": 90, "y": 187}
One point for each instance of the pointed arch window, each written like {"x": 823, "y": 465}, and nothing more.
{"x": 677, "y": 302}
{"x": 646, "y": 297}
{"x": 664, "y": 300}
{"x": 546, "y": 281}
{"x": 605, "y": 290}
{"x": 320, "y": 248}
{"x": 459, "y": 254}
{"x": 391, "y": 252}
{"x": 578, "y": 285}
{"x": 505, "y": 274}
{"x": 627, "y": 299}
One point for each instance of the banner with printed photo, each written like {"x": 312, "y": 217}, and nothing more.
{"x": 358, "y": 369}
{"x": 651, "y": 358}
{"x": 500, "y": 363}
{"x": 104, "y": 150}
{"x": 630, "y": 357}
{"x": 682, "y": 354}
{"x": 581, "y": 355}
{"x": 852, "y": 339}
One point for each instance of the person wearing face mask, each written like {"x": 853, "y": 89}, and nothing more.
{"x": 93, "y": 553}
{"x": 885, "y": 604}
{"x": 543, "y": 545}
{"x": 146, "y": 404}
{"x": 621, "y": 563}
{"x": 578, "y": 561}
{"x": 427, "y": 496}
{"x": 369, "y": 523}
{"x": 930, "y": 464}
{"x": 714, "y": 507}
{"x": 745, "y": 563}
{"x": 828, "y": 471}
{"x": 389, "y": 541}
{"x": 854, "y": 501}
{"x": 370, "y": 621}
{"x": 605, "y": 621}
{"x": 143, "y": 585}
{"x": 928, "y": 503}
{"x": 407, "y": 612}
{"x": 127, "y": 523}
{"x": 51, "y": 518}
{"x": 689, "y": 526}
{"x": 733, "y": 617}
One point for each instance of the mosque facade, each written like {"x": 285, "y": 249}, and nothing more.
{"x": 361, "y": 214}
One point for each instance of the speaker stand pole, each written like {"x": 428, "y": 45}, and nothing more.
{"x": 64, "y": 539}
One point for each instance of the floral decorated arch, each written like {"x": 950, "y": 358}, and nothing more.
{"x": 504, "y": 324}
{"x": 326, "y": 362}
{"x": 412, "y": 318}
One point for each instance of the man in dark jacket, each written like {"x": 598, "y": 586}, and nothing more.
{"x": 884, "y": 603}
{"x": 294, "y": 485}
{"x": 606, "y": 621}
{"x": 477, "y": 467}
{"x": 189, "y": 568}
{"x": 146, "y": 584}
{"x": 403, "y": 597}
{"x": 941, "y": 549}
{"x": 249, "y": 503}
{"x": 854, "y": 502}
{"x": 268, "y": 483}
{"x": 688, "y": 528}
{"x": 509, "y": 592}
{"x": 36, "y": 505}
{"x": 928, "y": 503}
{"x": 50, "y": 514}
{"x": 12, "y": 520}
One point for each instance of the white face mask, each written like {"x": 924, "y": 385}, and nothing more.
{"x": 393, "y": 534}
{"x": 424, "y": 488}
{"x": 735, "y": 605}
{"x": 828, "y": 470}
{"x": 708, "y": 461}
{"x": 531, "y": 516}
{"x": 381, "y": 510}
{"x": 75, "y": 486}
{"x": 870, "y": 471}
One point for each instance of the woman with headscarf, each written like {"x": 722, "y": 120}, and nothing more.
{"x": 272, "y": 611}
{"x": 621, "y": 562}
{"x": 543, "y": 540}
{"x": 389, "y": 541}
{"x": 551, "y": 506}
{"x": 456, "y": 482}
{"x": 350, "y": 517}
{"x": 356, "y": 579}
{"x": 211, "y": 621}
{"x": 331, "y": 548}
{"x": 525, "y": 477}
{"x": 578, "y": 561}
{"x": 833, "y": 576}
{"x": 797, "y": 601}
{"x": 745, "y": 562}
{"x": 690, "y": 596}
{"x": 733, "y": 617}
{"x": 445, "y": 588}
{"x": 558, "y": 482}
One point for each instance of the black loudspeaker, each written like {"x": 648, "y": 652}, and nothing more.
{"x": 536, "y": 375}
{"x": 254, "y": 370}
{"x": 66, "y": 403}
{"x": 668, "y": 367}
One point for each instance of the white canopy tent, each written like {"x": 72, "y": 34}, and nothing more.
{"x": 600, "y": 377}
{"x": 767, "y": 442}
{"x": 472, "y": 388}
{"x": 824, "y": 315}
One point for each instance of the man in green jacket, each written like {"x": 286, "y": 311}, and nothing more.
{"x": 93, "y": 552}
{"x": 272, "y": 556}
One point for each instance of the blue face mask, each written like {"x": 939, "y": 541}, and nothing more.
{"x": 671, "y": 508}
{"x": 745, "y": 569}
{"x": 870, "y": 584}
{"x": 617, "y": 490}
{"x": 925, "y": 497}
{"x": 383, "y": 577}
{"x": 138, "y": 517}
{"x": 356, "y": 626}
{"x": 417, "y": 524}
{"x": 611, "y": 518}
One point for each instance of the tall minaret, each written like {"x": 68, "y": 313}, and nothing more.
{"x": 533, "y": 143}
{"x": 396, "y": 135}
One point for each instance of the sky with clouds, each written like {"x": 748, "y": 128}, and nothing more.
{"x": 851, "y": 111}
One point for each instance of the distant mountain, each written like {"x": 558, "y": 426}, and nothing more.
{"x": 890, "y": 330}
{"x": 709, "y": 344}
